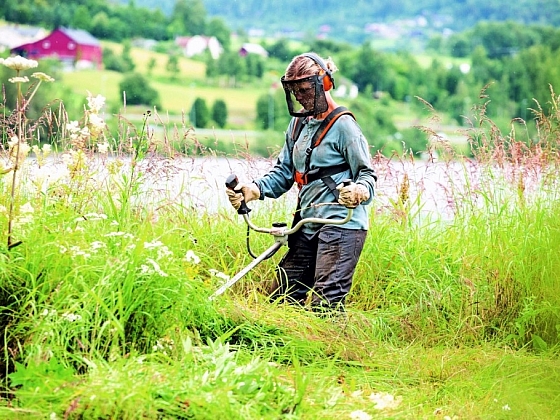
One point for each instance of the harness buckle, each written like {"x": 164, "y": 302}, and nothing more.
{"x": 300, "y": 178}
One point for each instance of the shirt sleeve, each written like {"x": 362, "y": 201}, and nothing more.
{"x": 280, "y": 178}
{"x": 355, "y": 149}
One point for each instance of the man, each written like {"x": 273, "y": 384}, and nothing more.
{"x": 324, "y": 146}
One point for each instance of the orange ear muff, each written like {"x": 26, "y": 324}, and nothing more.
{"x": 327, "y": 81}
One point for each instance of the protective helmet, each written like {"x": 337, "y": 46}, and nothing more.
{"x": 309, "y": 91}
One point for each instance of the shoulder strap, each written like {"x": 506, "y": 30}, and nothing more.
{"x": 325, "y": 126}
{"x": 298, "y": 127}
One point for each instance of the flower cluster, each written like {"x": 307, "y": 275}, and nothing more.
{"x": 93, "y": 129}
{"x": 19, "y": 149}
{"x": 19, "y": 63}
{"x": 41, "y": 153}
{"x": 18, "y": 146}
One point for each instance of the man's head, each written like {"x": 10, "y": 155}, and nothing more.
{"x": 307, "y": 79}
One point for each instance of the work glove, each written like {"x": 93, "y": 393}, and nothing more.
{"x": 352, "y": 195}
{"x": 247, "y": 192}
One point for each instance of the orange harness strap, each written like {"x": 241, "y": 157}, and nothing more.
{"x": 302, "y": 178}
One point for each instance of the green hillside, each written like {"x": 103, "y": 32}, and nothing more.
{"x": 311, "y": 17}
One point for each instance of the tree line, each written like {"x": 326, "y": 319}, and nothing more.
{"x": 116, "y": 22}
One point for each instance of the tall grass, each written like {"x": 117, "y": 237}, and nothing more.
{"x": 122, "y": 238}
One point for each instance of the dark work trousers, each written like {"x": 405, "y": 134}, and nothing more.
{"x": 322, "y": 264}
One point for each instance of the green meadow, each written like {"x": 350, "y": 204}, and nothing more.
{"x": 112, "y": 246}
{"x": 177, "y": 95}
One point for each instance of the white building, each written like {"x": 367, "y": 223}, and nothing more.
{"x": 193, "y": 45}
{"x": 13, "y": 35}
{"x": 249, "y": 48}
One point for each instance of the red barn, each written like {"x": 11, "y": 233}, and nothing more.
{"x": 71, "y": 46}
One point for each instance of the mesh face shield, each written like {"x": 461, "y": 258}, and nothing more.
{"x": 308, "y": 92}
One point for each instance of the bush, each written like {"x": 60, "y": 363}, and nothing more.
{"x": 220, "y": 113}
{"x": 138, "y": 91}
{"x": 199, "y": 115}
{"x": 119, "y": 63}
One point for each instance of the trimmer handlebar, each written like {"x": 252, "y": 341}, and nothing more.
{"x": 231, "y": 183}
{"x": 279, "y": 230}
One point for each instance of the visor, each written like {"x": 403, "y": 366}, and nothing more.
{"x": 308, "y": 92}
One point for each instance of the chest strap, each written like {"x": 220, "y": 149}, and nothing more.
{"x": 319, "y": 173}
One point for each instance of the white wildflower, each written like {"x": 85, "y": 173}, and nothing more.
{"x": 385, "y": 401}
{"x": 68, "y": 158}
{"x": 53, "y": 416}
{"x": 27, "y": 208}
{"x": 96, "y": 124}
{"x": 95, "y": 245}
{"x": 42, "y": 77}
{"x": 73, "y": 126}
{"x": 151, "y": 245}
{"x": 20, "y": 63}
{"x": 13, "y": 141}
{"x": 191, "y": 257}
{"x": 506, "y": 408}
{"x": 95, "y": 103}
{"x": 123, "y": 234}
{"x": 3, "y": 209}
{"x": 219, "y": 274}
{"x": 84, "y": 132}
{"x": 70, "y": 317}
{"x": 22, "y": 150}
{"x": 157, "y": 268}
{"x": 77, "y": 252}
{"x": 360, "y": 415}
{"x": 19, "y": 79}
{"x": 103, "y": 148}
{"x": 164, "y": 252}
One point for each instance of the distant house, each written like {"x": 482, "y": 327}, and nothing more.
{"x": 193, "y": 45}
{"x": 14, "y": 35}
{"x": 74, "y": 47}
{"x": 249, "y": 48}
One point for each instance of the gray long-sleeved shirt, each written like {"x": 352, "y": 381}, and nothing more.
{"x": 344, "y": 142}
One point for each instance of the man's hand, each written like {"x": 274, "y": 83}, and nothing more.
{"x": 352, "y": 195}
{"x": 247, "y": 192}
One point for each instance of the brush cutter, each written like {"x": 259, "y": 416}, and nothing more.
{"x": 279, "y": 231}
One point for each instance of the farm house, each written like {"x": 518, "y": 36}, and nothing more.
{"x": 74, "y": 47}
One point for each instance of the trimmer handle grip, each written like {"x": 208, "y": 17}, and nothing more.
{"x": 347, "y": 182}
{"x": 231, "y": 183}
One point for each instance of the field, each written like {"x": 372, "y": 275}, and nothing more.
{"x": 177, "y": 96}
{"x": 110, "y": 254}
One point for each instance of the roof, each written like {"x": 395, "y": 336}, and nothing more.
{"x": 80, "y": 36}
{"x": 254, "y": 49}
{"x": 14, "y": 35}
